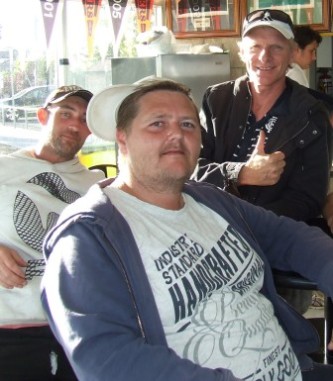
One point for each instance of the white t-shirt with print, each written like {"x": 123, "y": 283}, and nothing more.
{"x": 33, "y": 193}
{"x": 206, "y": 281}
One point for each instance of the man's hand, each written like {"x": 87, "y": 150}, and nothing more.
{"x": 11, "y": 272}
{"x": 262, "y": 169}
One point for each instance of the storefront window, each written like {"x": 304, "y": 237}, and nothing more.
{"x": 47, "y": 43}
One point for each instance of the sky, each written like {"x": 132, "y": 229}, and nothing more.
{"x": 19, "y": 22}
{"x": 22, "y": 26}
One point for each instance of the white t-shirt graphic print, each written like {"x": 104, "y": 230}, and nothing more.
{"x": 33, "y": 193}
{"x": 206, "y": 281}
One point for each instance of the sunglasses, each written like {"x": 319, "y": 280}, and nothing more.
{"x": 268, "y": 15}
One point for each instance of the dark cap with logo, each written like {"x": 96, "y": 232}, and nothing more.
{"x": 273, "y": 18}
{"x": 64, "y": 92}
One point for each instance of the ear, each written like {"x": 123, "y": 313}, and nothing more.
{"x": 241, "y": 51}
{"x": 121, "y": 139}
{"x": 43, "y": 116}
{"x": 295, "y": 50}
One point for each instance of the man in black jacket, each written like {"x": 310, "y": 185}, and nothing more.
{"x": 263, "y": 132}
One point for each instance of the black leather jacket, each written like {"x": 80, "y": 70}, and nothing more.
{"x": 302, "y": 132}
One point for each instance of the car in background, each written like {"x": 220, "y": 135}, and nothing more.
{"x": 23, "y": 102}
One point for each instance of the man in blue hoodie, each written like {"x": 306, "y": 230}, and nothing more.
{"x": 151, "y": 276}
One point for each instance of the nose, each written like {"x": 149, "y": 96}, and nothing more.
{"x": 74, "y": 127}
{"x": 77, "y": 123}
{"x": 175, "y": 130}
{"x": 264, "y": 54}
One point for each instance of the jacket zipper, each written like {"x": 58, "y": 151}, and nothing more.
{"x": 130, "y": 290}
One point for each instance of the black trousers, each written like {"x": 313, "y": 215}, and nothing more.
{"x": 32, "y": 354}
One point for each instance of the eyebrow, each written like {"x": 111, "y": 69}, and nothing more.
{"x": 65, "y": 106}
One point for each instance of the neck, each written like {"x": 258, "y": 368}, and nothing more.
{"x": 264, "y": 97}
{"x": 43, "y": 152}
{"x": 166, "y": 198}
{"x": 39, "y": 153}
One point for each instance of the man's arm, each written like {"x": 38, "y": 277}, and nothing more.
{"x": 290, "y": 245}
{"x": 261, "y": 169}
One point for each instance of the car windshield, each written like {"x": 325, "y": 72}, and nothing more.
{"x": 22, "y": 92}
{"x": 18, "y": 94}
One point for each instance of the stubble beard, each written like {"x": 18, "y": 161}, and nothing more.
{"x": 164, "y": 183}
{"x": 65, "y": 150}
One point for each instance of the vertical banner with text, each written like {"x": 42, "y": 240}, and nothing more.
{"x": 91, "y": 12}
{"x": 49, "y": 11}
{"x": 143, "y": 10}
{"x": 117, "y": 10}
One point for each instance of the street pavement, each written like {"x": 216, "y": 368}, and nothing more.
{"x": 18, "y": 135}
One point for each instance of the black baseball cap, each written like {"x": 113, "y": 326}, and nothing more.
{"x": 64, "y": 92}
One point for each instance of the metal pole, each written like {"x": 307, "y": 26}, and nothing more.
{"x": 11, "y": 69}
{"x": 64, "y": 60}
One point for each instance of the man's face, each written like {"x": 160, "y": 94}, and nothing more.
{"x": 162, "y": 145}
{"x": 267, "y": 55}
{"x": 67, "y": 126}
{"x": 305, "y": 57}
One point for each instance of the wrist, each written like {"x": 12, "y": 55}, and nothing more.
{"x": 233, "y": 170}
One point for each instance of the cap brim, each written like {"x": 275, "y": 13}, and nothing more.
{"x": 84, "y": 94}
{"x": 102, "y": 109}
{"x": 284, "y": 29}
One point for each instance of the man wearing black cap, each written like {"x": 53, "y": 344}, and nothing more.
{"x": 263, "y": 132}
{"x": 36, "y": 185}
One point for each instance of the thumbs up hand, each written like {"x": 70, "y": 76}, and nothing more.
{"x": 260, "y": 146}
{"x": 261, "y": 168}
